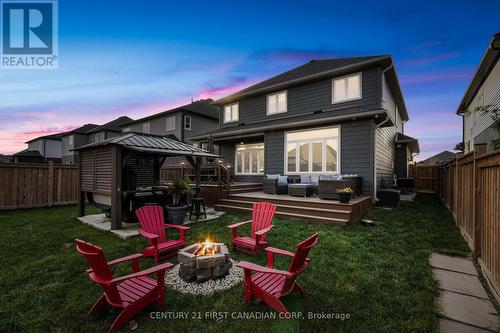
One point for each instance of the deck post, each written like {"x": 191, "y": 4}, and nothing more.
{"x": 80, "y": 193}
{"x": 198, "y": 174}
{"x": 116, "y": 191}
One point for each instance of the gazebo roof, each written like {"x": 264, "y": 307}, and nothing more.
{"x": 153, "y": 144}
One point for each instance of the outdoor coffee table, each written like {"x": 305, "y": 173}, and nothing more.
{"x": 301, "y": 190}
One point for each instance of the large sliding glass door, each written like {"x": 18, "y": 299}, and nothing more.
{"x": 249, "y": 159}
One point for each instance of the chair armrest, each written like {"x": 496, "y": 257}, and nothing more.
{"x": 148, "y": 234}
{"x": 236, "y": 225}
{"x": 132, "y": 257}
{"x": 176, "y": 226}
{"x": 279, "y": 251}
{"x": 151, "y": 270}
{"x": 263, "y": 231}
{"x": 253, "y": 267}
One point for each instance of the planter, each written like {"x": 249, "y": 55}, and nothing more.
{"x": 176, "y": 214}
{"x": 344, "y": 197}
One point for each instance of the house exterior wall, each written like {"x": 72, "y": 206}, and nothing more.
{"x": 199, "y": 125}
{"x": 69, "y": 156}
{"x": 36, "y": 145}
{"x": 159, "y": 125}
{"x": 308, "y": 98}
{"x": 476, "y": 124}
{"x": 53, "y": 148}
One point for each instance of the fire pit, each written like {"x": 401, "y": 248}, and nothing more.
{"x": 204, "y": 261}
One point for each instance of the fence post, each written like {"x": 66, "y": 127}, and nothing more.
{"x": 50, "y": 196}
{"x": 477, "y": 217}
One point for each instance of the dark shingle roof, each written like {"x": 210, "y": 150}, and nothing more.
{"x": 113, "y": 125}
{"x": 412, "y": 142}
{"x": 203, "y": 107}
{"x": 56, "y": 136}
{"x": 28, "y": 153}
{"x": 82, "y": 129}
{"x": 311, "y": 70}
{"x": 150, "y": 143}
{"x": 443, "y": 156}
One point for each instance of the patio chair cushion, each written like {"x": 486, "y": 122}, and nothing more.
{"x": 272, "y": 176}
{"x": 324, "y": 177}
{"x": 305, "y": 179}
{"x": 282, "y": 180}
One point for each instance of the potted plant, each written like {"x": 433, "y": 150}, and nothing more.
{"x": 345, "y": 194}
{"x": 176, "y": 212}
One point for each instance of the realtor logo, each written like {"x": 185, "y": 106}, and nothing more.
{"x": 29, "y": 34}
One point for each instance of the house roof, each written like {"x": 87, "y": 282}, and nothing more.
{"x": 56, "y": 136}
{"x": 28, "y": 153}
{"x": 412, "y": 142}
{"x": 150, "y": 143}
{"x": 4, "y": 158}
{"x": 317, "y": 117}
{"x": 443, "y": 156}
{"x": 317, "y": 69}
{"x": 488, "y": 62}
{"x": 202, "y": 107}
{"x": 81, "y": 130}
{"x": 113, "y": 125}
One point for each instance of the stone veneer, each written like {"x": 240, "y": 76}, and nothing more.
{"x": 203, "y": 268}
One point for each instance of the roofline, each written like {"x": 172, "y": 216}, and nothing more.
{"x": 47, "y": 137}
{"x": 364, "y": 114}
{"x": 273, "y": 87}
{"x": 492, "y": 54}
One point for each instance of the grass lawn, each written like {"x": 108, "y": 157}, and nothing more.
{"x": 378, "y": 275}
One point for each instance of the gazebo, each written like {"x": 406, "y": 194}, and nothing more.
{"x": 110, "y": 168}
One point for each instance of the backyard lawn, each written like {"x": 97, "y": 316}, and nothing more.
{"x": 379, "y": 275}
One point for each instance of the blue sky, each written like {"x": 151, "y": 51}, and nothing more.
{"x": 140, "y": 57}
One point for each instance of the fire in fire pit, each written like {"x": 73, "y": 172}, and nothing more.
{"x": 204, "y": 261}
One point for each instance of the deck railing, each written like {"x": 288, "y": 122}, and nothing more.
{"x": 213, "y": 174}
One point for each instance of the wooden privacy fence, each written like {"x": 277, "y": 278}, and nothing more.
{"x": 470, "y": 187}
{"x": 26, "y": 185}
{"x": 425, "y": 177}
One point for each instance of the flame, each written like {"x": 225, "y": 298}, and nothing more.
{"x": 206, "y": 248}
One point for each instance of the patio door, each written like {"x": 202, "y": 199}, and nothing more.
{"x": 249, "y": 159}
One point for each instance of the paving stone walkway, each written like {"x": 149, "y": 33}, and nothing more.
{"x": 464, "y": 304}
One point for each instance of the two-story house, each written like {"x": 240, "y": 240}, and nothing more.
{"x": 338, "y": 116}
{"x": 108, "y": 130}
{"x": 73, "y": 139}
{"x": 483, "y": 92}
{"x": 41, "y": 149}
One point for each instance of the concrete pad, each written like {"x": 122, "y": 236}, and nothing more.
{"x": 469, "y": 310}
{"x": 450, "y": 326}
{"x": 456, "y": 264}
{"x": 459, "y": 282}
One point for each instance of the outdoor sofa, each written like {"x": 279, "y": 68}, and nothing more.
{"x": 328, "y": 185}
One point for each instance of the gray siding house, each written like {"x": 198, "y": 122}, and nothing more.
{"x": 483, "y": 91}
{"x": 338, "y": 116}
{"x": 108, "y": 130}
{"x": 74, "y": 139}
{"x": 41, "y": 149}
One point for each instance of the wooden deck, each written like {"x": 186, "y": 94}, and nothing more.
{"x": 310, "y": 209}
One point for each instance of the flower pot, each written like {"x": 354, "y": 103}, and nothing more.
{"x": 344, "y": 197}
{"x": 176, "y": 214}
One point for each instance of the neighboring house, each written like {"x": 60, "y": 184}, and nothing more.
{"x": 338, "y": 116}
{"x": 442, "y": 157}
{"x": 73, "y": 139}
{"x": 483, "y": 91}
{"x": 4, "y": 158}
{"x": 181, "y": 122}
{"x": 406, "y": 147}
{"x": 42, "y": 149}
{"x": 108, "y": 130}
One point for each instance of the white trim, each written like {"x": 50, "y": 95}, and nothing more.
{"x": 190, "y": 123}
{"x": 224, "y": 113}
{"x": 250, "y": 159}
{"x": 360, "y": 74}
{"x": 277, "y": 102}
{"x": 297, "y": 172}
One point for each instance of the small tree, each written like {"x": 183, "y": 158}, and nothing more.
{"x": 494, "y": 112}
{"x": 178, "y": 189}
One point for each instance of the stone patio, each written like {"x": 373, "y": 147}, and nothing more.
{"x": 463, "y": 303}
{"x": 101, "y": 222}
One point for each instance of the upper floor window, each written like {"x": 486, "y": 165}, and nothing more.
{"x": 98, "y": 137}
{"x": 347, "y": 88}
{"x": 277, "y": 103}
{"x": 146, "y": 128}
{"x": 71, "y": 140}
{"x": 187, "y": 123}
{"x": 231, "y": 112}
{"x": 126, "y": 129}
{"x": 170, "y": 123}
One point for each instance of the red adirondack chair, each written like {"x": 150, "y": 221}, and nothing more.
{"x": 153, "y": 228}
{"x": 270, "y": 284}
{"x": 262, "y": 218}
{"x": 132, "y": 292}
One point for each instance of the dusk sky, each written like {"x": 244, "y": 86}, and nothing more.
{"x": 137, "y": 58}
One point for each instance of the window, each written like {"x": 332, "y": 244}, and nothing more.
{"x": 231, "y": 113}
{"x": 187, "y": 123}
{"x": 146, "y": 128}
{"x": 170, "y": 123}
{"x": 71, "y": 140}
{"x": 126, "y": 129}
{"x": 250, "y": 159}
{"x": 347, "y": 88}
{"x": 313, "y": 151}
{"x": 277, "y": 103}
{"x": 98, "y": 137}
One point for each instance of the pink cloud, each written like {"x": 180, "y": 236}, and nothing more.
{"x": 218, "y": 92}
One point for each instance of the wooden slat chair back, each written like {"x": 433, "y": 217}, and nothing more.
{"x": 152, "y": 220}
{"x": 262, "y": 219}
{"x": 101, "y": 273}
